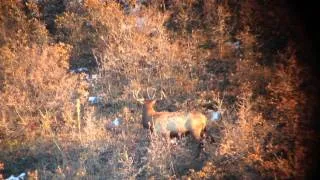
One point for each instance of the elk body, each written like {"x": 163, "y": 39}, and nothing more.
{"x": 173, "y": 122}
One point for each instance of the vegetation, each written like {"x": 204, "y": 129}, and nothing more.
{"x": 241, "y": 58}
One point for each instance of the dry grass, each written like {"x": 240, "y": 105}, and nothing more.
{"x": 189, "y": 54}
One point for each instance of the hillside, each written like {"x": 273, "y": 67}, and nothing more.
{"x": 71, "y": 72}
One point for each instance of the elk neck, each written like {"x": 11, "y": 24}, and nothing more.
{"x": 148, "y": 110}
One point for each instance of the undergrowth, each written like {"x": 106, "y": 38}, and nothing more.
{"x": 204, "y": 55}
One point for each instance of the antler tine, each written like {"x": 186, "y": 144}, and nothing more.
{"x": 135, "y": 94}
{"x": 153, "y": 95}
{"x": 148, "y": 93}
{"x": 163, "y": 95}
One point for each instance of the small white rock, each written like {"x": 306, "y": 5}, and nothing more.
{"x": 116, "y": 122}
{"x": 20, "y": 177}
{"x": 94, "y": 100}
{"x": 215, "y": 115}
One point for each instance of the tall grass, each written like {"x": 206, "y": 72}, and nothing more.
{"x": 190, "y": 54}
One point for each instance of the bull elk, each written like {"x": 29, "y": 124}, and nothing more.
{"x": 179, "y": 123}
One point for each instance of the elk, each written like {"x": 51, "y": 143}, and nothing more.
{"x": 178, "y": 123}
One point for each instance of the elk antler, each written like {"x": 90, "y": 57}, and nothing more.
{"x": 163, "y": 95}
{"x": 135, "y": 94}
{"x": 153, "y": 93}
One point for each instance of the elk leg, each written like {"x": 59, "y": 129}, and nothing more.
{"x": 211, "y": 139}
{"x": 207, "y": 136}
{"x": 151, "y": 127}
{"x": 200, "y": 149}
{"x": 197, "y": 134}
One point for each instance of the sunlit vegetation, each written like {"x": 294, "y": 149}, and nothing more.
{"x": 239, "y": 58}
